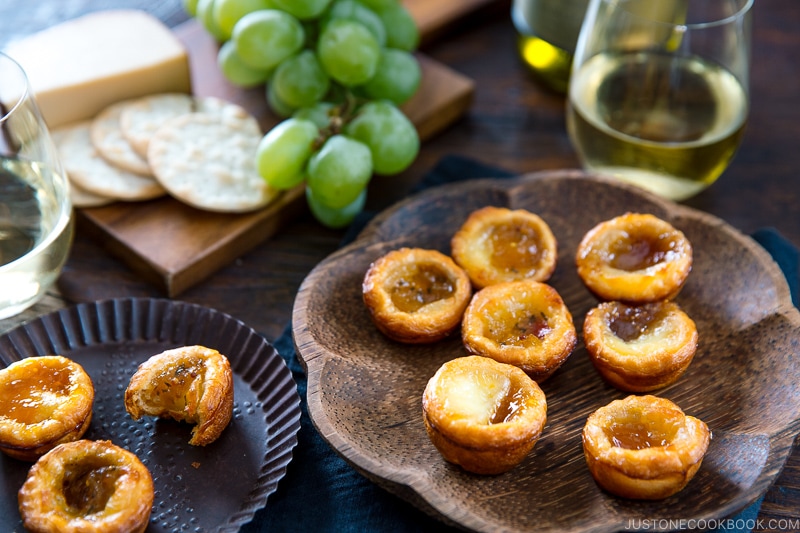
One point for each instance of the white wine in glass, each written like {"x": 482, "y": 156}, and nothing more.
{"x": 659, "y": 96}
{"x": 36, "y": 225}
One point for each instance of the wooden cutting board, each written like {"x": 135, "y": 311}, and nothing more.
{"x": 175, "y": 246}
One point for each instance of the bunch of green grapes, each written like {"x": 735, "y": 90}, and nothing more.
{"x": 335, "y": 71}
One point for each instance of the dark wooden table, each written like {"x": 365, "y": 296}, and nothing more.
{"x": 513, "y": 123}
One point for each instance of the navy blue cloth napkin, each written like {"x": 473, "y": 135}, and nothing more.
{"x": 321, "y": 492}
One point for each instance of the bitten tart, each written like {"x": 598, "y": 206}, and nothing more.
{"x": 497, "y": 245}
{"x": 44, "y": 401}
{"x": 640, "y": 348}
{"x": 415, "y": 295}
{"x": 522, "y": 323}
{"x": 87, "y": 487}
{"x": 483, "y": 415}
{"x": 644, "y": 447}
{"x": 189, "y": 384}
{"x": 634, "y": 258}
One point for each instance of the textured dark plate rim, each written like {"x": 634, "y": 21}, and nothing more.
{"x": 252, "y": 357}
{"x": 407, "y": 486}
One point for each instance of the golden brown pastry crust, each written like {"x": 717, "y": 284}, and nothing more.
{"x": 483, "y": 415}
{"x": 190, "y": 384}
{"x": 640, "y": 348}
{"x": 634, "y": 258}
{"x": 415, "y": 295}
{"x": 522, "y": 323}
{"x": 44, "y": 401}
{"x": 497, "y": 245}
{"x": 644, "y": 447}
{"x": 87, "y": 487}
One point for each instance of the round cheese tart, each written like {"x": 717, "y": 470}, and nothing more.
{"x": 497, "y": 244}
{"x": 634, "y": 258}
{"x": 44, "y": 401}
{"x": 415, "y": 295}
{"x": 522, "y": 323}
{"x": 483, "y": 415}
{"x": 644, "y": 447}
{"x": 87, "y": 487}
{"x": 640, "y": 348}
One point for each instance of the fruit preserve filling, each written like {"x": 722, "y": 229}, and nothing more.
{"x": 638, "y": 252}
{"x": 638, "y": 430}
{"x": 35, "y": 396}
{"x": 515, "y": 247}
{"x": 484, "y": 398}
{"x": 632, "y": 322}
{"x": 88, "y": 485}
{"x": 420, "y": 286}
{"x": 178, "y": 382}
{"x": 522, "y": 327}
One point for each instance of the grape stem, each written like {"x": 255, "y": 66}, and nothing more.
{"x": 340, "y": 115}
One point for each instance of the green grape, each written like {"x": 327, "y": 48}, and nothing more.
{"x": 390, "y": 136}
{"x": 235, "y": 70}
{"x": 190, "y": 6}
{"x": 300, "y": 80}
{"x": 397, "y": 77}
{"x": 284, "y": 151}
{"x": 319, "y": 114}
{"x": 401, "y": 28}
{"x": 353, "y": 10}
{"x": 339, "y": 171}
{"x": 278, "y": 106}
{"x": 303, "y": 9}
{"x": 348, "y": 52}
{"x": 205, "y": 14}
{"x": 378, "y": 4}
{"x": 265, "y": 38}
{"x": 228, "y": 12}
{"x": 335, "y": 218}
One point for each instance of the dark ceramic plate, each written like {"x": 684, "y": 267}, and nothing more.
{"x": 364, "y": 391}
{"x": 214, "y": 488}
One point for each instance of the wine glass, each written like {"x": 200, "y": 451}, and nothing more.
{"x": 36, "y": 225}
{"x": 658, "y": 93}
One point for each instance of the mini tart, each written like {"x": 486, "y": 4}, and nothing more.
{"x": 522, "y": 323}
{"x": 483, "y": 415}
{"x": 640, "y": 348}
{"x": 44, "y": 401}
{"x": 496, "y": 245}
{"x": 644, "y": 447}
{"x": 634, "y": 258}
{"x": 415, "y": 295}
{"x": 189, "y": 384}
{"x": 87, "y": 487}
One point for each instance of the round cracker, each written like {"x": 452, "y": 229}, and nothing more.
{"x": 82, "y": 198}
{"x": 142, "y": 117}
{"x": 208, "y": 161}
{"x": 91, "y": 172}
{"x": 106, "y": 135}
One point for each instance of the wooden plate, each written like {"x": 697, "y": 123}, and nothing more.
{"x": 364, "y": 391}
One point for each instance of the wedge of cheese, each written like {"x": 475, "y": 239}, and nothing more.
{"x": 79, "y": 67}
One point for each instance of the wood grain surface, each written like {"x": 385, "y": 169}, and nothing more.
{"x": 365, "y": 390}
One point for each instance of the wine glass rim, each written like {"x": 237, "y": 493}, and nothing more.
{"x": 25, "y": 84}
{"x": 747, "y": 4}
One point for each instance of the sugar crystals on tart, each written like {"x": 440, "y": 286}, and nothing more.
{"x": 497, "y": 244}
{"x": 644, "y": 447}
{"x": 415, "y": 295}
{"x": 44, "y": 401}
{"x": 87, "y": 487}
{"x": 522, "y": 323}
{"x": 640, "y": 348}
{"x": 483, "y": 415}
{"x": 634, "y": 258}
{"x": 191, "y": 384}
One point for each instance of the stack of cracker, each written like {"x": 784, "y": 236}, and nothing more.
{"x": 201, "y": 151}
